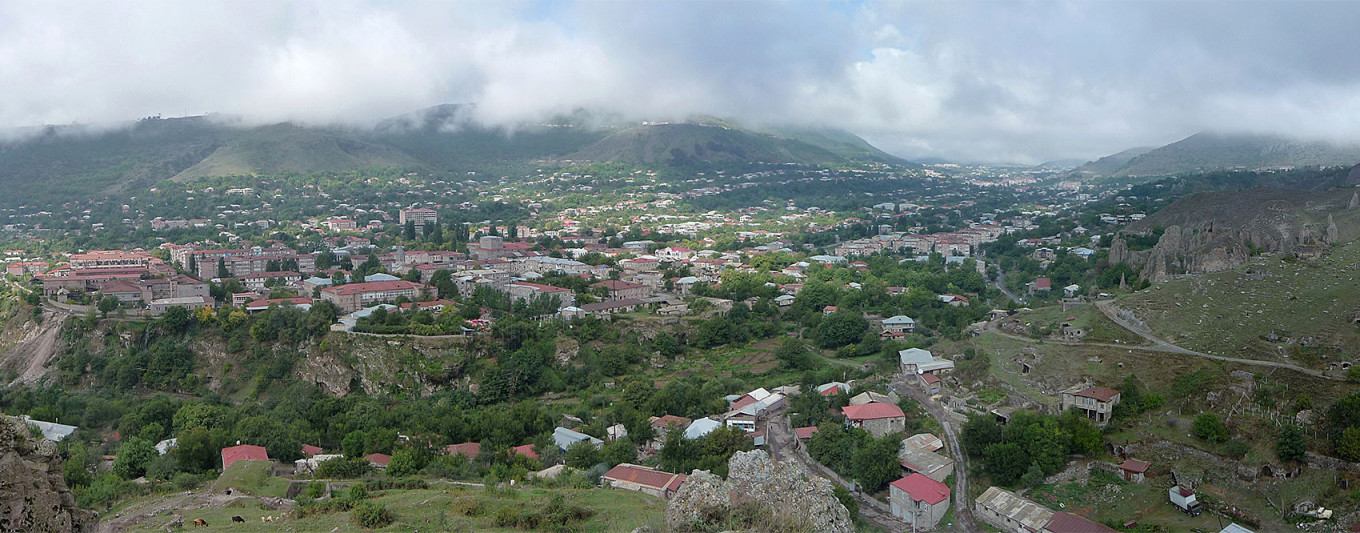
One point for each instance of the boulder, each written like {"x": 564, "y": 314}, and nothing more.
{"x": 794, "y": 500}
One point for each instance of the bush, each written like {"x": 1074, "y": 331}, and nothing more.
{"x": 1236, "y": 449}
{"x": 469, "y": 507}
{"x": 358, "y": 492}
{"x": 369, "y": 515}
{"x": 343, "y": 468}
{"x": 1209, "y": 427}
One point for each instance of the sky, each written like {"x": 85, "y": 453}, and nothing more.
{"x": 1015, "y": 82}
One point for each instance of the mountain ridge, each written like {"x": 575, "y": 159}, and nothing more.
{"x": 1207, "y": 151}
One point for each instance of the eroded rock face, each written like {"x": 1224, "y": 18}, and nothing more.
{"x": 796, "y": 499}
{"x": 33, "y": 494}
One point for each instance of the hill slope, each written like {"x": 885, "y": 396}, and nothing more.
{"x": 75, "y": 161}
{"x": 1213, "y": 151}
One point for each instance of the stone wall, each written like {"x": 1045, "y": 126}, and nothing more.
{"x": 797, "y": 501}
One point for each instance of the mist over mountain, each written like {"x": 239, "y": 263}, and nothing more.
{"x": 82, "y": 161}
{"x": 1223, "y": 151}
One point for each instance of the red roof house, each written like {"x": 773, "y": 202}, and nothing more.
{"x": 921, "y": 488}
{"x": 805, "y": 433}
{"x": 872, "y": 411}
{"x": 309, "y": 450}
{"x": 380, "y": 460}
{"x": 243, "y": 452}
{"x": 526, "y": 450}
{"x": 469, "y": 449}
{"x": 645, "y": 480}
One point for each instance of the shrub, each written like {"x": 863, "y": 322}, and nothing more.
{"x": 369, "y": 515}
{"x": 1236, "y": 449}
{"x": 468, "y": 507}
{"x": 359, "y": 491}
{"x": 343, "y": 468}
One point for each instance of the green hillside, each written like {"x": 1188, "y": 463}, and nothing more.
{"x": 1216, "y": 151}
{"x": 1272, "y": 308}
{"x": 77, "y": 161}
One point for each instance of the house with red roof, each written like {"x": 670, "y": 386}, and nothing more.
{"x": 356, "y": 296}
{"x": 526, "y": 450}
{"x": 1134, "y": 470}
{"x": 663, "y": 425}
{"x": 468, "y": 449}
{"x": 642, "y": 479}
{"x": 877, "y": 418}
{"x": 379, "y": 460}
{"x": 1097, "y": 403}
{"x": 243, "y": 452}
{"x": 309, "y": 450}
{"x": 805, "y": 433}
{"x": 918, "y": 500}
{"x": 1064, "y": 522}
{"x": 1040, "y": 285}
{"x": 674, "y": 253}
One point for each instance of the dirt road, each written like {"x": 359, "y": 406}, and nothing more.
{"x": 963, "y": 513}
{"x": 783, "y": 445}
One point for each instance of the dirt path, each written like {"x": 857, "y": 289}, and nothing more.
{"x": 963, "y": 513}
{"x": 1157, "y": 345}
{"x": 1111, "y": 312}
{"x": 784, "y": 446}
{"x": 32, "y": 354}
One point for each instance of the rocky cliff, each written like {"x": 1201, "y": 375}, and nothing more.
{"x": 33, "y": 495}
{"x": 1213, "y": 231}
{"x": 760, "y": 495}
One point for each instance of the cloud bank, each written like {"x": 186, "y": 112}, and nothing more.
{"x": 1015, "y": 82}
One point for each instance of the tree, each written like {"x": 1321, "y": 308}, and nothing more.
{"x": 404, "y": 463}
{"x": 198, "y": 451}
{"x": 175, "y": 319}
{"x": 840, "y": 328}
{"x": 620, "y": 451}
{"x": 222, "y": 272}
{"x": 133, "y": 457}
{"x": 979, "y": 433}
{"x": 1290, "y": 445}
{"x": 1006, "y": 462}
{"x": 582, "y": 455}
{"x": 794, "y": 354}
{"x": 409, "y": 230}
{"x": 875, "y": 462}
{"x": 1209, "y": 427}
{"x": 107, "y": 304}
{"x": 1348, "y": 445}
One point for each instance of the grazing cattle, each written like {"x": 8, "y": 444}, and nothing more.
{"x": 237, "y": 519}
{"x": 200, "y": 522}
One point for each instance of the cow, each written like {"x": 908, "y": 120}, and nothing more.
{"x": 237, "y": 519}
{"x": 200, "y": 522}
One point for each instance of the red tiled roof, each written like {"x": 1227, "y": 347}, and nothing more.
{"x": 1099, "y": 393}
{"x": 526, "y": 450}
{"x": 372, "y": 286}
{"x": 379, "y": 458}
{"x": 1043, "y": 283}
{"x": 243, "y": 452}
{"x": 743, "y": 401}
{"x": 281, "y": 302}
{"x": 1135, "y": 466}
{"x": 1063, "y": 522}
{"x": 923, "y": 489}
{"x": 805, "y": 432}
{"x": 872, "y": 411}
{"x": 468, "y": 449}
{"x": 645, "y": 476}
{"x": 309, "y": 450}
{"x": 540, "y": 287}
{"x": 671, "y": 420}
{"x": 617, "y": 285}
{"x": 930, "y": 378}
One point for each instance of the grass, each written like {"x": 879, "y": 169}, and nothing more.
{"x": 1308, "y": 306}
{"x": 442, "y": 510}
{"x": 252, "y": 477}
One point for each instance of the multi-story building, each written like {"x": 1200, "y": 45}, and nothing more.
{"x": 1097, "y": 403}
{"x": 356, "y": 296}
{"x": 419, "y": 217}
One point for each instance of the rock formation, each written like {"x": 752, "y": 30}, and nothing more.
{"x": 33, "y": 494}
{"x": 795, "y": 500}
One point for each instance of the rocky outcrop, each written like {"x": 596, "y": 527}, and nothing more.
{"x": 759, "y": 494}
{"x": 1209, "y": 232}
{"x": 33, "y": 494}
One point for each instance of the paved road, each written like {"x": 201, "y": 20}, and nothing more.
{"x": 1000, "y": 283}
{"x": 783, "y": 445}
{"x": 963, "y": 513}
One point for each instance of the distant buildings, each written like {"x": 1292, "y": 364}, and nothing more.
{"x": 356, "y": 296}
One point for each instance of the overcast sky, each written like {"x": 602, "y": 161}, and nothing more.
{"x": 990, "y": 81}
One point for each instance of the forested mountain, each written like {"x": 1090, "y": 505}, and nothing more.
{"x": 81, "y": 161}
{"x": 1214, "y": 151}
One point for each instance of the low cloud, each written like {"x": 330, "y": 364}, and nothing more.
{"x": 1014, "y": 82}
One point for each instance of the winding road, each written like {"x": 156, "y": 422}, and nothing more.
{"x": 963, "y": 513}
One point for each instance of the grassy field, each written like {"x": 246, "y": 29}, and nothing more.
{"x": 252, "y": 477}
{"x": 444, "y": 509}
{"x": 1308, "y": 307}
